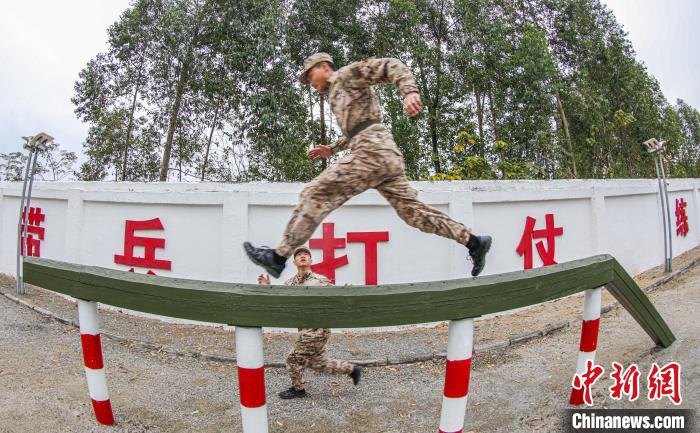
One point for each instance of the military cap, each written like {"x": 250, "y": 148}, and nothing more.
{"x": 300, "y": 249}
{"x": 312, "y": 61}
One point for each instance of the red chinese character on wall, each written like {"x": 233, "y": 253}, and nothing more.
{"x": 586, "y": 380}
{"x": 328, "y": 243}
{"x": 370, "y": 239}
{"x": 626, "y": 382}
{"x": 681, "y": 218}
{"x": 149, "y": 245}
{"x": 549, "y": 233}
{"x": 665, "y": 382}
{"x": 32, "y": 228}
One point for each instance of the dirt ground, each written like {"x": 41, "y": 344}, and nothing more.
{"x": 523, "y": 388}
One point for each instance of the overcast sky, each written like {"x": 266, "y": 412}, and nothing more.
{"x": 45, "y": 43}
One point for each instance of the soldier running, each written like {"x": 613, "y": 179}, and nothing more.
{"x": 310, "y": 348}
{"x": 374, "y": 161}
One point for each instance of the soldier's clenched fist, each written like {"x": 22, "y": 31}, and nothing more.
{"x": 412, "y": 104}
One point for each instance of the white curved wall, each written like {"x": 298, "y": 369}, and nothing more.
{"x": 205, "y": 224}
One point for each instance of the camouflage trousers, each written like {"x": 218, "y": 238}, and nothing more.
{"x": 309, "y": 351}
{"x": 375, "y": 162}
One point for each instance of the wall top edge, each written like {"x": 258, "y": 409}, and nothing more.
{"x": 12, "y": 188}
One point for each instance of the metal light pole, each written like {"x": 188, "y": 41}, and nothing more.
{"x": 669, "y": 227}
{"x": 656, "y": 148}
{"x": 34, "y": 144}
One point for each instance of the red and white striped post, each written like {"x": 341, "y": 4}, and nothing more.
{"x": 459, "y": 359}
{"x": 251, "y": 379}
{"x": 589, "y": 337}
{"x": 92, "y": 357}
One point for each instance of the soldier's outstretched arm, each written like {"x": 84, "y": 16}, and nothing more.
{"x": 378, "y": 71}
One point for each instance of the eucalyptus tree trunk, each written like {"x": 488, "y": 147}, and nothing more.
{"x": 480, "y": 121}
{"x": 131, "y": 120}
{"x": 565, "y": 123}
{"x": 211, "y": 135}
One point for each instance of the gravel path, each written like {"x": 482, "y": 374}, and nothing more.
{"x": 520, "y": 389}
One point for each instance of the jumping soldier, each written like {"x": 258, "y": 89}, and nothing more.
{"x": 374, "y": 161}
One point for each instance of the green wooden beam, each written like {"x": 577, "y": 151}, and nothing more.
{"x": 346, "y": 306}
{"x": 635, "y": 301}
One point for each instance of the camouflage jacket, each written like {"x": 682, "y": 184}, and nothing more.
{"x": 352, "y": 99}
{"x": 308, "y": 279}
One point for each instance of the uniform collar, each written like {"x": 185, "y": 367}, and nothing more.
{"x": 333, "y": 77}
{"x": 302, "y": 278}
{"x": 331, "y": 80}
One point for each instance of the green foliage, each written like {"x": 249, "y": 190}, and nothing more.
{"x": 12, "y": 166}
{"x": 520, "y": 170}
{"x": 58, "y": 163}
{"x": 543, "y": 89}
{"x": 52, "y": 164}
{"x": 474, "y": 167}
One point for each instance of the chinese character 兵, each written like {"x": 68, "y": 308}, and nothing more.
{"x": 149, "y": 245}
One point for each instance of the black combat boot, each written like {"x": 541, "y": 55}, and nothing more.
{"x": 356, "y": 373}
{"x": 265, "y": 257}
{"x": 292, "y": 392}
{"x": 478, "y": 247}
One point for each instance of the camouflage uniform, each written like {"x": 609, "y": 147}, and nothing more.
{"x": 374, "y": 160}
{"x": 310, "y": 348}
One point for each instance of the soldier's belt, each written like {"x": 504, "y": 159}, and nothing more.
{"x": 360, "y": 127}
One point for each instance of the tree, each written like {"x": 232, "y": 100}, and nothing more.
{"x": 511, "y": 89}
{"x": 110, "y": 96}
{"x": 12, "y": 166}
{"x": 128, "y": 39}
{"x": 58, "y": 162}
{"x": 687, "y": 155}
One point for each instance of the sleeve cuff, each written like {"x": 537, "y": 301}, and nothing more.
{"x": 339, "y": 145}
{"x": 407, "y": 88}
